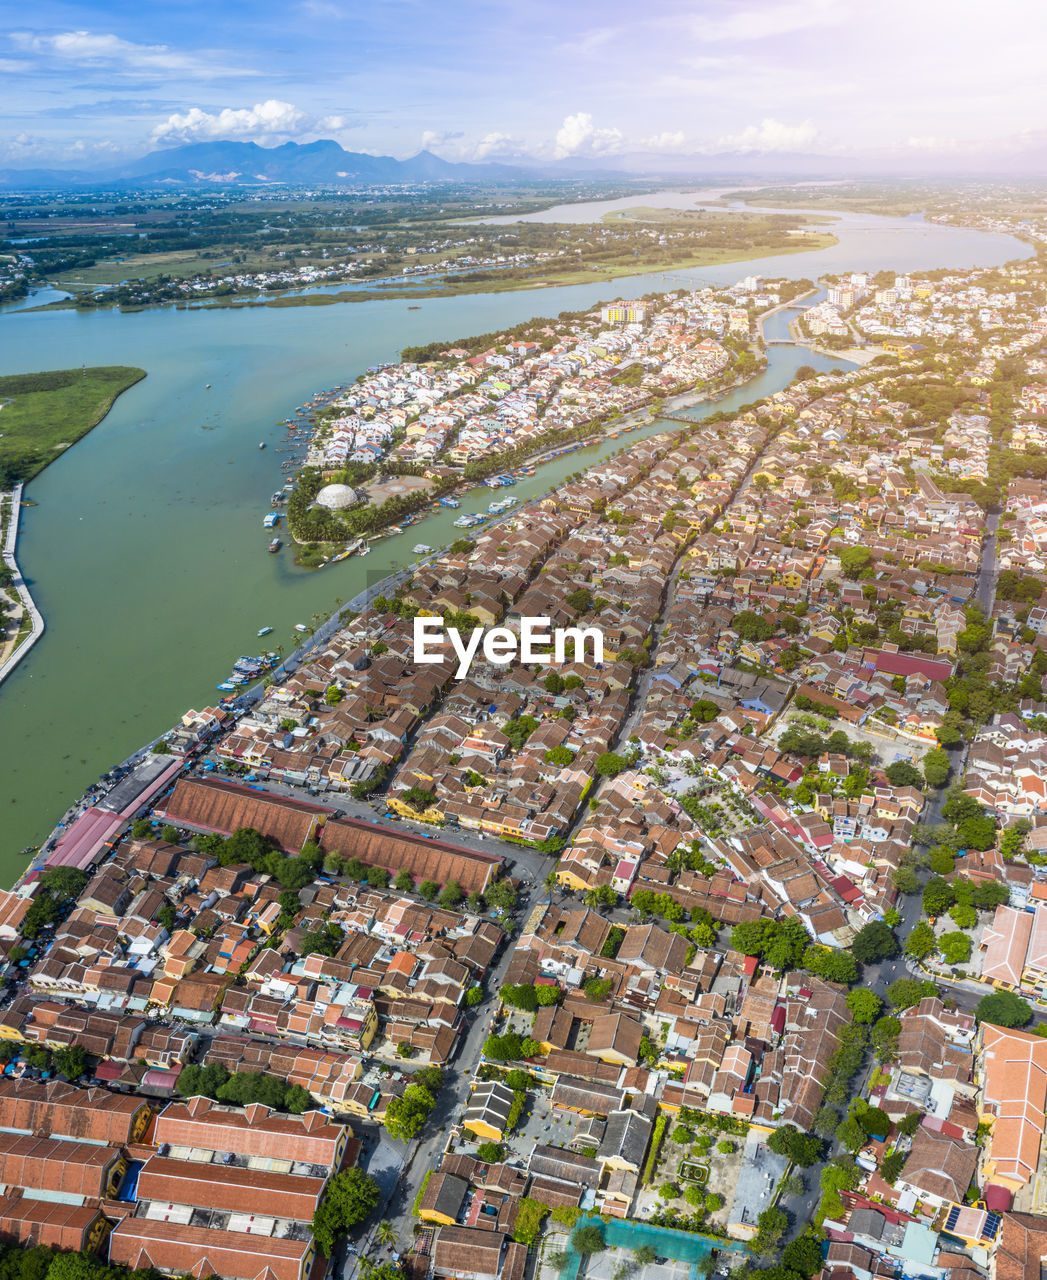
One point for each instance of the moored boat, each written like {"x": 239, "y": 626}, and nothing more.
{"x": 275, "y": 545}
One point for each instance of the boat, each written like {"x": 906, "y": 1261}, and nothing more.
{"x": 463, "y": 522}
{"x": 208, "y": 387}
{"x": 226, "y": 686}
{"x": 449, "y": 502}
{"x": 365, "y": 551}
{"x": 278, "y": 497}
{"x": 264, "y": 631}
{"x": 275, "y": 545}
{"x": 261, "y": 444}
{"x": 273, "y": 518}
{"x": 421, "y": 549}
{"x": 300, "y": 626}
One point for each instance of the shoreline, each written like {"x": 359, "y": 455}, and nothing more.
{"x": 316, "y": 297}
{"x": 22, "y": 646}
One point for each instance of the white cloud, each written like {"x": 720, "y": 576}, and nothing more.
{"x": 263, "y": 122}
{"x": 932, "y": 144}
{"x": 771, "y": 135}
{"x": 497, "y": 144}
{"x": 667, "y": 141}
{"x": 760, "y": 22}
{"x": 91, "y": 49}
{"x": 578, "y": 136}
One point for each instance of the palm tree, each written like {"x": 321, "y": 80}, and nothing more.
{"x": 386, "y": 1233}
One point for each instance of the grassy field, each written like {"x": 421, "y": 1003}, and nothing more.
{"x": 42, "y": 414}
{"x": 547, "y": 278}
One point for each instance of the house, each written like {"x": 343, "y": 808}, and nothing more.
{"x": 938, "y": 1169}
{"x": 471, "y": 1253}
{"x": 615, "y": 1037}
{"x": 442, "y": 1198}
{"x": 487, "y": 1114}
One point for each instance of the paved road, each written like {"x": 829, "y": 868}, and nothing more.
{"x": 427, "y": 1152}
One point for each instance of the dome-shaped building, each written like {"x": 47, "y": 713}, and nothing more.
{"x": 336, "y": 497}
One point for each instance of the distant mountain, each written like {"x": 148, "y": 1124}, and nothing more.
{"x": 248, "y": 164}
{"x": 325, "y": 163}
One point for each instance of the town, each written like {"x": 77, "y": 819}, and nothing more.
{"x": 726, "y": 950}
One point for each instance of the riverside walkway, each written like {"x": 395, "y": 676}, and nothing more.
{"x": 29, "y": 609}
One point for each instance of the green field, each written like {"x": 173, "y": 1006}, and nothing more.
{"x": 42, "y": 414}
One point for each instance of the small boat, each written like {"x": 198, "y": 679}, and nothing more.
{"x": 264, "y": 631}
{"x": 226, "y": 686}
{"x": 273, "y": 518}
{"x": 365, "y": 551}
{"x": 421, "y": 549}
{"x": 275, "y": 545}
{"x": 449, "y": 502}
{"x": 300, "y": 626}
{"x": 261, "y": 444}
{"x": 208, "y": 387}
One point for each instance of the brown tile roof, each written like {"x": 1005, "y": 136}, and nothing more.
{"x": 43, "y": 1222}
{"x": 229, "y": 1188}
{"x": 1022, "y": 1247}
{"x": 256, "y": 1131}
{"x": 51, "y": 1165}
{"x": 424, "y": 859}
{"x": 234, "y": 1255}
{"x": 226, "y": 807}
{"x": 66, "y": 1111}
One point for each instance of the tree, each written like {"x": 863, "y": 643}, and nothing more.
{"x": 921, "y": 941}
{"x": 682, "y": 1135}
{"x": 938, "y": 896}
{"x": 428, "y": 890}
{"x": 522, "y": 997}
{"x": 609, "y": 764}
{"x": 910, "y": 1123}
{"x": 725, "y": 1147}
{"x": 504, "y": 1048}
{"x": 874, "y": 942}
{"x": 801, "y": 1148}
{"x": 903, "y": 774}
{"x": 906, "y": 992}
{"x": 351, "y": 1197}
{"x": 891, "y": 1165}
{"x": 418, "y": 799}
{"x": 560, "y": 756}
{"x": 955, "y": 948}
{"x": 713, "y": 1202}
{"x": 1003, "y": 1009}
{"x": 71, "y": 1061}
{"x": 404, "y": 1117}
{"x": 490, "y": 1152}
{"x": 855, "y": 561}
{"x": 963, "y": 915}
{"x": 905, "y": 879}
{"x": 851, "y": 1136}
{"x": 770, "y": 1227}
{"x": 936, "y": 766}
{"x": 452, "y": 894}
{"x": 588, "y": 1239}
{"x": 804, "y": 1254}
{"x": 864, "y": 1005}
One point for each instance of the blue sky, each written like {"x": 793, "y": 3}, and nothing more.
{"x": 84, "y": 82}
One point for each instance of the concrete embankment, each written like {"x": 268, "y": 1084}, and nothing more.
{"x": 28, "y": 604}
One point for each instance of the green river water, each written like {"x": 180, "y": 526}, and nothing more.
{"x": 146, "y": 551}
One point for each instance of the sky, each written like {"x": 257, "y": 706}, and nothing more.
{"x": 86, "y": 83}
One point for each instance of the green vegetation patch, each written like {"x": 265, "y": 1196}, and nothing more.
{"x": 43, "y": 413}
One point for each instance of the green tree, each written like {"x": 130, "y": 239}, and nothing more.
{"x": 350, "y": 1197}
{"x": 428, "y": 890}
{"x": 936, "y": 766}
{"x": 1004, "y": 1009}
{"x": 609, "y": 764}
{"x": 452, "y": 894}
{"x": 801, "y": 1148}
{"x": 864, "y": 1005}
{"x": 938, "y": 896}
{"x": 921, "y": 942}
{"x": 874, "y": 942}
{"x": 588, "y": 1239}
{"x": 71, "y": 1061}
{"x": 955, "y": 948}
{"x": 906, "y": 992}
{"x": 490, "y": 1152}
{"x": 903, "y": 774}
{"x": 405, "y": 1116}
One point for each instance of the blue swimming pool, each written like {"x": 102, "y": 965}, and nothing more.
{"x": 684, "y": 1246}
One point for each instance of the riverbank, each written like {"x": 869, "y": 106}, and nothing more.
{"x": 30, "y": 620}
{"x": 44, "y": 414}
{"x": 466, "y": 283}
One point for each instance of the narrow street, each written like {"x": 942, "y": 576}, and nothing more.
{"x": 878, "y": 977}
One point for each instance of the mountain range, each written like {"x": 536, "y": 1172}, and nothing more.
{"x": 326, "y": 163}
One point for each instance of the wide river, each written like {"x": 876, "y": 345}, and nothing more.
{"x": 146, "y": 551}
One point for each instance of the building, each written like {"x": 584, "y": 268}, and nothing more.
{"x": 487, "y": 1114}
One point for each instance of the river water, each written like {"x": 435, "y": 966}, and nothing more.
{"x": 146, "y": 551}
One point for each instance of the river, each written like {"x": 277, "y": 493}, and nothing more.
{"x": 146, "y": 552}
